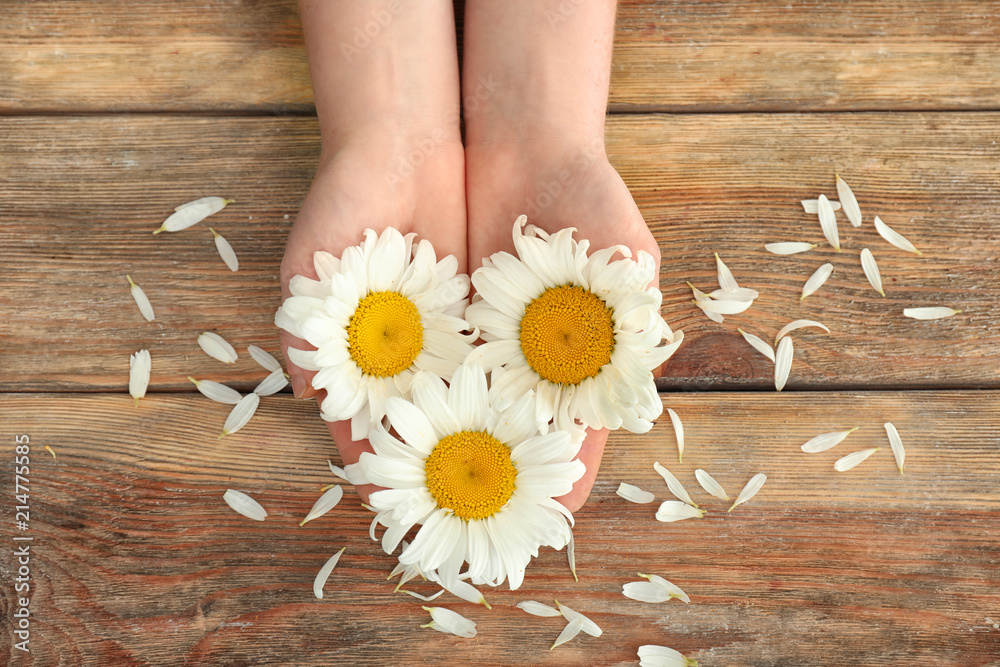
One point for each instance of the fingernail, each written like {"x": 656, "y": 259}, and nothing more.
{"x": 298, "y": 385}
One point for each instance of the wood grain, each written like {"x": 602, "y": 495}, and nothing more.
{"x": 136, "y": 560}
{"x": 80, "y": 196}
{"x": 670, "y": 55}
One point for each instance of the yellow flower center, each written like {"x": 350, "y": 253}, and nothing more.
{"x": 470, "y": 473}
{"x": 385, "y": 334}
{"x": 567, "y": 334}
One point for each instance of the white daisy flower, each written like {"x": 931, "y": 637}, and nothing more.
{"x": 583, "y": 332}
{"x": 480, "y": 482}
{"x": 382, "y": 311}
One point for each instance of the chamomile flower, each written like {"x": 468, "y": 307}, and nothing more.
{"x": 479, "y": 483}
{"x": 583, "y": 333}
{"x": 382, "y": 311}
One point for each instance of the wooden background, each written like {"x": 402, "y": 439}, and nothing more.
{"x": 723, "y": 116}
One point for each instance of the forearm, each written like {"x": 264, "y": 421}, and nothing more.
{"x": 381, "y": 70}
{"x": 550, "y": 62}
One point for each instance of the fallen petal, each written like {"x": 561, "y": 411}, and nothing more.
{"x": 738, "y": 294}
{"x": 219, "y": 393}
{"x": 324, "y": 573}
{"x": 898, "y": 452}
{"x": 589, "y": 626}
{"x": 828, "y": 221}
{"x": 850, "y": 202}
{"x": 217, "y": 347}
{"x": 675, "y": 510}
{"x": 672, "y": 590}
{"x": 571, "y": 630}
{"x": 931, "y": 313}
{"x": 750, "y": 490}
{"x": 226, "y": 251}
{"x": 871, "y": 270}
{"x": 141, "y": 300}
{"x": 816, "y": 280}
{"x": 724, "y": 307}
{"x": 324, "y": 504}
{"x": 571, "y": 555}
{"x": 674, "y": 484}
{"x": 726, "y": 280}
{"x": 894, "y": 237}
{"x": 710, "y": 485}
{"x": 675, "y": 420}
{"x": 812, "y": 205}
{"x": 788, "y": 247}
{"x": 652, "y": 655}
{"x": 264, "y": 358}
{"x": 826, "y": 441}
{"x": 446, "y": 620}
{"x": 139, "y": 366}
{"x": 192, "y": 213}
{"x": 241, "y": 414}
{"x": 245, "y": 505}
{"x": 337, "y": 470}
{"x": 272, "y": 384}
{"x": 783, "y": 362}
{"x": 424, "y": 598}
{"x": 758, "y": 344}
{"x": 634, "y": 494}
{"x": 847, "y": 462}
{"x": 798, "y": 324}
{"x": 537, "y": 608}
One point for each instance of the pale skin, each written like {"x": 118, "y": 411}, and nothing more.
{"x": 535, "y": 87}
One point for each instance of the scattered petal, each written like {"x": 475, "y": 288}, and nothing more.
{"x": 571, "y": 555}
{"x": 850, "y": 202}
{"x": 537, "y": 608}
{"x": 192, "y": 213}
{"x": 828, "y": 221}
{"x": 324, "y": 573}
{"x": 571, "y": 630}
{"x": 826, "y": 441}
{"x": 141, "y": 300}
{"x": 324, "y": 504}
{"x": 264, "y": 358}
{"x": 139, "y": 366}
{"x": 788, "y": 247}
{"x": 816, "y": 280}
{"x": 226, "y": 251}
{"x": 723, "y": 306}
{"x": 758, "y": 344}
{"x": 931, "y": 313}
{"x": 783, "y": 362}
{"x": 589, "y": 626}
{"x": 798, "y": 324}
{"x": 634, "y": 494}
{"x": 272, "y": 384}
{"x": 701, "y": 298}
{"x": 897, "y": 445}
{"x": 678, "y": 432}
{"x": 672, "y": 590}
{"x": 337, "y": 470}
{"x": 871, "y": 270}
{"x": 847, "y": 462}
{"x": 241, "y": 414}
{"x": 219, "y": 393}
{"x": 675, "y": 510}
{"x": 217, "y": 347}
{"x": 245, "y": 505}
{"x": 446, "y": 620}
{"x": 812, "y": 205}
{"x": 674, "y": 484}
{"x": 710, "y": 485}
{"x": 894, "y": 237}
{"x": 726, "y": 280}
{"x": 425, "y": 598}
{"x": 738, "y": 294}
{"x": 750, "y": 490}
{"x": 651, "y": 655}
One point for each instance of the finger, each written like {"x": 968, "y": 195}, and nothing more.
{"x": 350, "y": 451}
{"x": 590, "y": 455}
{"x": 300, "y": 378}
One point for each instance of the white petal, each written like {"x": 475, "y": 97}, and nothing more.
{"x": 750, "y": 490}
{"x": 468, "y": 397}
{"x": 724, "y": 307}
{"x": 758, "y": 345}
{"x": 710, "y": 485}
{"x": 828, "y": 221}
{"x": 826, "y": 441}
{"x": 139, "y": 366}
{"x": 788, "y": 247}
{"x": 219, "y": 393}
{"x": 217, "y": 347}
{"x": 726, "y": 280}
{"x": 798, "y": 324}
{"x": 812, "y": 205}
{"x": 651, "y": 655}
{"x": 226, "y": 251}
{"x": 871, "y": 270}
{"x": 738, "y": 294}
{"x": 324, "y": 504}
{"x": 847, "y": 462}
{"x": 672, "y": 590}
{"x": 645, "y": 591}
{"x": 411, "y": 424}
{"x": 589, "y": 626}
{"x": 675, "y": 420}
{"x": 571, "y": 630}
{"x": 264, "y": 358}
{"x": 272, "y": 384}
{"x": 816, "y": 280}
{"x": 241, "y": 414}
{"x": 850, "y": 202}
{"x": 931, "y": 313}
{"x": 141, "y": 300}
{"x": 570, "y": 547}
{"x": 192, "y": 213}
{"x": 894, "y": 237}
{"x": 446, "y": 620}
{"x": 699, "y": 296}
{"x": 898, "y": 452}
{"x": 634, "y": 494}
{"x": 674, "y": 484}
{"x": 337, "y": 470}
{"x": 424, "y": 598}
{"x": 538, "y": 609}
{"x": 245, "y": 505}
{"x": 324, "y": 573}
{"x": 783, "y": 362}
{"x": 675, "y": 510}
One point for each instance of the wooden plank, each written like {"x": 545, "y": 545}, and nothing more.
{"x": 98, "y": 56}
{"x": 79, "y": 197}
{"x": 136, "y": 560}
